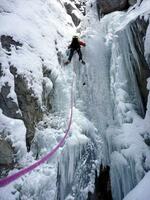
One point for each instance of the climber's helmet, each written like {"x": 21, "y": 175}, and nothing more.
{"x": 75, "y": 36}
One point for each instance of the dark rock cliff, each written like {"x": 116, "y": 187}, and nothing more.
{"x": 140, "y": 66}
{"x": 102, "y": 185}
{"x": 107, "y": 6}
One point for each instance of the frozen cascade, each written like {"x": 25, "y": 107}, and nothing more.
{"x": 93, "y": 79}
{"x": 76, "y": 170}
{"x": 109, "y": 68}
{"x": 107, "y": 120}
{"x": 125, "y": 144}
{"x": 80, "y": 159}
{"x": 123, "y": 75}
{"x": 112, "y": 65}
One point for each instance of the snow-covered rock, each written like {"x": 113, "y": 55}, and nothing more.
{"x": 72, "y": 10}
{"x": 6, "y": 154}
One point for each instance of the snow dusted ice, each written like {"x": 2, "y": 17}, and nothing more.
{"x": 129, "y": 154}
{"x": 43, "y": 27}
{"x": 108, "y": 115}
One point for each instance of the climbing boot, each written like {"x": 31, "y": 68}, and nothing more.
{"x": 67, "y": 62}
{"x": 83, "y": 62}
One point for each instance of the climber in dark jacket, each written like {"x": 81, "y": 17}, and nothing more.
{"x": 75, "y": 46}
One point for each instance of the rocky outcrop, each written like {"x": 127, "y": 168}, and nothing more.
{"x": 142, "y": 72}
{"x": 28, "y": 104}
{"x": 6, "y": 156}
{"x": 7, "y": 42}
{"x": 6, "y": 152}
{"x": 80, "y": 5}
{"x": 107, "y": 6}
{"x": 102, "y": 185}
{"x": 73, "y": 12}
{"x": 8, "y": 106}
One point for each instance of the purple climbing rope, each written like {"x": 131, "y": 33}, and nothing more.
{"x": 7, "y": 180}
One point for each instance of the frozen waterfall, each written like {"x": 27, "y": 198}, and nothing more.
{"x": 110, "y": 123}
{"x": 109, "y": 94}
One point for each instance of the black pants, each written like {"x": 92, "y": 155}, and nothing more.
{"x": 72, "y": 52}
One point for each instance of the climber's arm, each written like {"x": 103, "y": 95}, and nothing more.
{"x": 82, "y": 43}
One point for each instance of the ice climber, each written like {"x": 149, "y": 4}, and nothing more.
{"x": 75, "y": 46}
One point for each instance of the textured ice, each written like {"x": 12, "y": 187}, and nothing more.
{"x": 106, "y": 93}
{"x": 128, "y": 153}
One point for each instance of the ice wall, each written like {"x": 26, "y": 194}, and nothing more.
{"x": 92, "y": 97}
{"x": 111, "y": 91}
{"x": 76, "y": 169}
{"x": 128, "y": 152}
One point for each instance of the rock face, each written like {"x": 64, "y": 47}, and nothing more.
{"x": 102, "y": 186}
{"x": 28, "y": 104}
{"x": 81, "y": 5}
{"x": 6, "y": 155}
{"x": 73, "y": 12}
{"x": 138, "y": 29}
{"x": 24, "y": 106}
{"x": 7, "y": 41}
{"x": 107, "y": 6}
{"x": 31, "y": 112}
{"x": 7, "y": 104}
